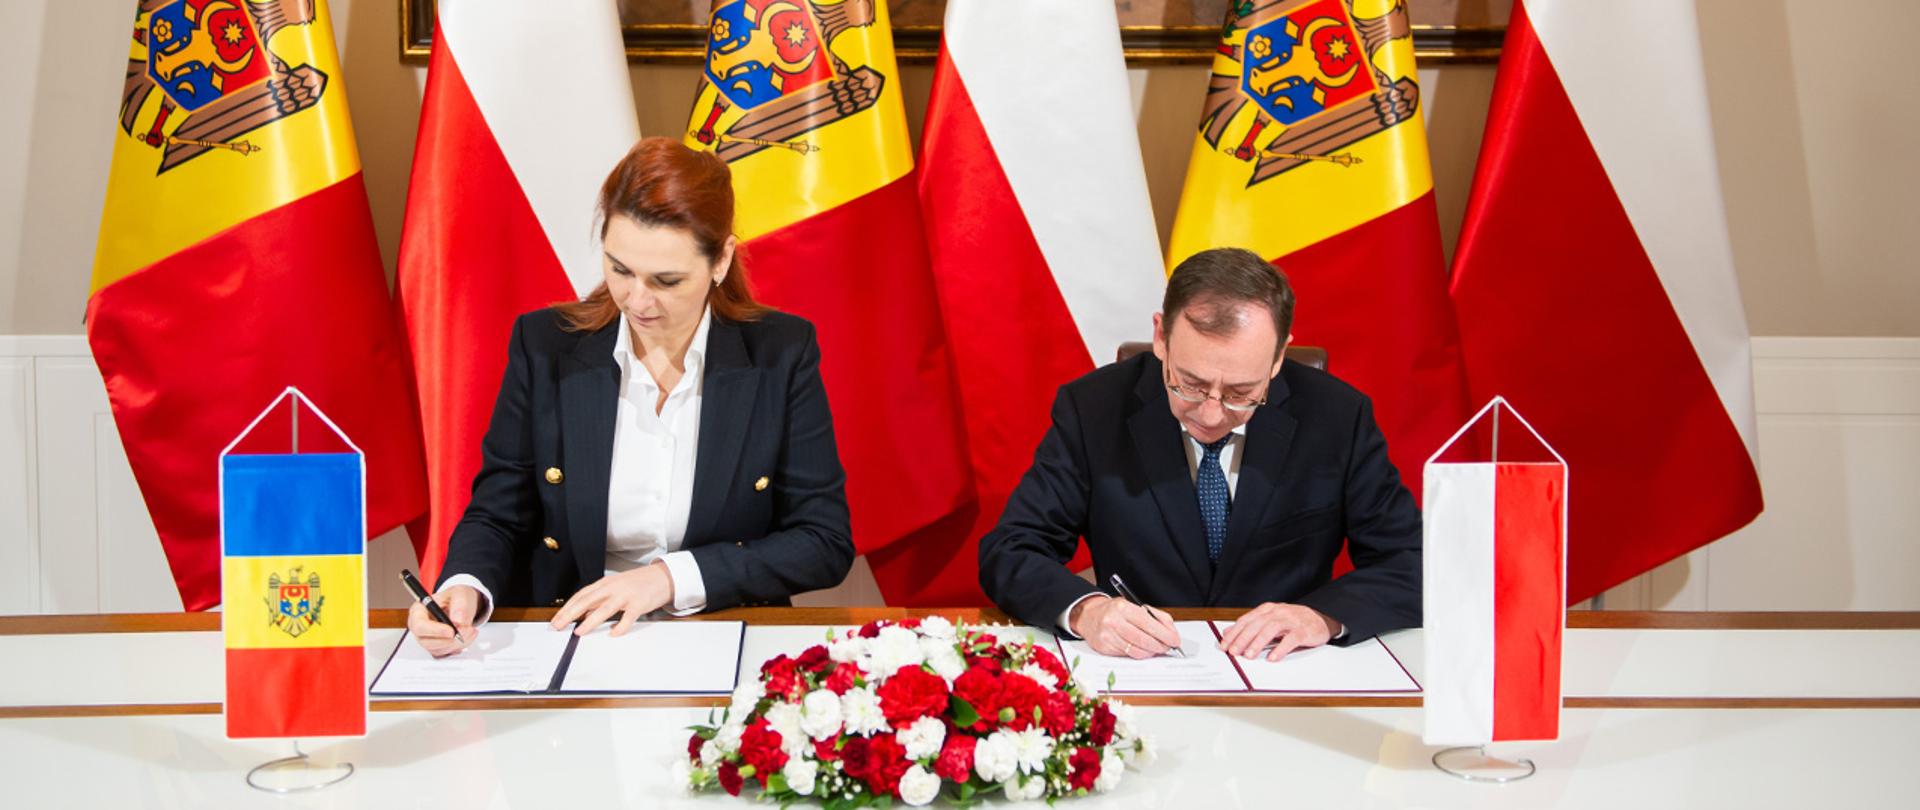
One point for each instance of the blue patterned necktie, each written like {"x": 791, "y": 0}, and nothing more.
{"x": 1210, "y": 484}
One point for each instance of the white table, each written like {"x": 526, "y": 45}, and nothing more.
{"x": 1663, "y": 712}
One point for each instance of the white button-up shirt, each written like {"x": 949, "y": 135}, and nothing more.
{"x": 650, "y": 487}
{"x": 650, "y": 490}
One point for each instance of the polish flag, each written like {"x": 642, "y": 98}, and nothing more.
{"x": 528, "y": 106}
{"x": 1594, "y": 282}
{"x": 1495, "y": 516}
{"x": 1044, "y": 249}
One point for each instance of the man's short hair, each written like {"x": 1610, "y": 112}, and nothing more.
{"x": 1207, "y": 287}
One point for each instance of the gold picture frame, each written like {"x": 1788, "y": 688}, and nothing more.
{"x": 666, "y": 31}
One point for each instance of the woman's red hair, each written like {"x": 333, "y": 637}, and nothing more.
{"x": 663, "y": 184}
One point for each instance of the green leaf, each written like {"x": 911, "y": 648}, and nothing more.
{"x": 967, "y": 790}
{"x": 777, "y": 783}
{"x": 964, "y": 715}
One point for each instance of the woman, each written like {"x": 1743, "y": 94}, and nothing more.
{"x": 664, "y": 444}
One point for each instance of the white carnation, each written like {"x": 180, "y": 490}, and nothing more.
{"x": 943, "y": 658}
{"x": 709, "y": 753}
{"x": 784, "y": 717}
{"x": 1110, "y": 770}
{"x": 683, "y": 774}
{"x": 800, "y": 773}
{"x": 993, "y": 757}
{"x": 924, "y": 738}
{"x": 860, "y": 710}
{"x": 1123, "y": 719}
{"x": 1040, "y": 675}
{"x": 820, "y": 714}
{"x": 745, "y": 696}
{"x": 1026, "y": 788}
{"x": 937, "y": 627}
{"x": 847, "y": 650}
{"x": 894, "y": 648}
{"x": 919, "y": 786}
{"x": 728, "y": 737}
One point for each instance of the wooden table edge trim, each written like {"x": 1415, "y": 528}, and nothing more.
{"x": 1204, "y": 701}
{"x": 1580, "y": 619}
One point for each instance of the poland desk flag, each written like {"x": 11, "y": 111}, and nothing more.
{"x": 293, "y": 549}
{"x": 1495, "y": 582}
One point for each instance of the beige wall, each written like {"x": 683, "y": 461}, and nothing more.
{"x": 1813, "y": 104}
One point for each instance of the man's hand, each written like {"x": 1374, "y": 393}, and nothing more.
{"x": 1286, "y": 627}
{"x": 1121, "y": 628}
{"x": 460, "y": 603}
{"x": 630, "y": 593}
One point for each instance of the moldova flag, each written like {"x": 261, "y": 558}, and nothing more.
{"x": 237, "y": 257}
{"x": 1311, "y": 152}
{"x": 803, "y": 102}
{"x": 293, "y": 554}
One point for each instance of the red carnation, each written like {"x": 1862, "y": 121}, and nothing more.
{"x": 826, "y": 750}
{"x": 760, "y": 747}
{"x": 1051, "y": 663}
{"x": 912, "y": 693}
{"x": 814, "y": 660}
{"x": 842, "y": 678}
{"x": 879, "y": 761}
{"x": 693, "y": 748}
{"x": 1100, "y": 731}
{"x": 1086, "y": 768}
{"x": 1023, "y": 695}
{"x": 955, "y": 763}
{"x": 870, "y": 630}
{"x": 730, "y": 778}
{"x": 1056, "y": 713}
{"x": 882, "y": 764}
{"x": 782, "y": 675}
{"x": 981, "y": 690}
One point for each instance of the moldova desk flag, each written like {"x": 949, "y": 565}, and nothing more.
{"x": 294, "y": 582}
{"x": 1311, "y": 152}
{"x": 802, "y": 100}
{"x": 236, "y": 257}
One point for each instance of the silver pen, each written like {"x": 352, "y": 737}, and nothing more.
{"x": 1120, "y": 587}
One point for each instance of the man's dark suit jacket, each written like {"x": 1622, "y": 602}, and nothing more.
{"x": 763, "y": 416}
{"x": 1313, "y": 471}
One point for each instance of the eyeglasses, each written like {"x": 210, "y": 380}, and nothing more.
{"x": 1238, "y": 403}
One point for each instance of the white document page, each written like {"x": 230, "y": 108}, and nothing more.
{"x": 657, "y": 657}
{"x": 508, "y": 657}
{"x": 1365, "y": 667}
{"x": 1206, "y": 668}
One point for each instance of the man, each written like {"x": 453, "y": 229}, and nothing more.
{"x": 1211, "y": 473}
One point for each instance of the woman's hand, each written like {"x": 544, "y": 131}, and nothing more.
{"x": 460, "y": 603}
{"x": 630, "y": 593}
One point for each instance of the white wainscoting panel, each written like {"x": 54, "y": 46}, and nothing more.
{"x": 19, "y": 556}
{"x": 1839, "y": 458}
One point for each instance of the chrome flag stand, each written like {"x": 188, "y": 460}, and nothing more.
{"x": 296, "y": 766}
{"x": 1472, "y": 763}
{"x": 293, "y": 589}
{"x": 1494, "y": 592}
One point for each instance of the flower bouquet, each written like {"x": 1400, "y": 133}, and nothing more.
{"x": 910, "y": 710}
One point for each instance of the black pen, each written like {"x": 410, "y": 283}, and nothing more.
{"x": 433, "y": 608}
{"x": 1120, "y": 586}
